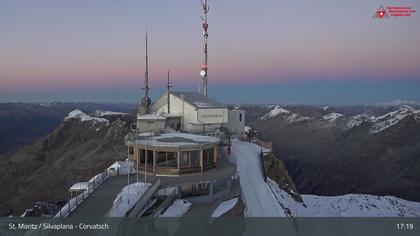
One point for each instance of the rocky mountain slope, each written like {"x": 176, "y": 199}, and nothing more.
{"x": 23, "y": 123}
{"x": 335, "y": 151}
{"x": 277, "y": 195}
{"x": 79, "y": 148}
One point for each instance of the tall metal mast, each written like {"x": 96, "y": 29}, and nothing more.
{"x": 146, "y": 101}
{"x": 204, "y": 69}
{"x": 169, "y": 86}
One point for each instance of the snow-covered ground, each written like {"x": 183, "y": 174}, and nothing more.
{"x": 122, "y": 167}
{"x": 267, "y": 199}
{"x": 107, "y": 113}
{"x": 78, "y": 114}
{"x": 177, "y": 209}
{"x": 257, "y": 196}
{"x": 224, "y": 207}
{"x": 332, "y": 117}
{"x": 350, "y": 205}
{"x": 128, "y": 197}
{"x": 166, "y": 139}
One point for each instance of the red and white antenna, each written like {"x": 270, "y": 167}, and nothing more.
{"x": 204, "y": 69}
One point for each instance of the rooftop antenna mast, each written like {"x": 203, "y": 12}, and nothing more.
{"x": 204, "y": 69}
{"x": 146, "y": 101}
{"x": 169, "y": 86}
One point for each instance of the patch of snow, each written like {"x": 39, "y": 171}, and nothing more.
{"x": 417, "y": 115}
{"x": 151, "y": 117}
{"x": 385, "y": 121}
{"x": 224, "y": 207}
{"x": 177, "y": 209}
{"x": 128, "y": 197}
{"x": 247, "y": 129}
{"x": 80, "y": 186}
{"x": 288, "y": 116}
{"x": 185, "y": 139}
{"x": 122, "y": 167}
{"x": 202, "y": 104}
{"x": 332, "y": 117}
{"x": 106, "y": 113}
{"x": 325, "y": 108}
{"x": 275, "y": 112}
{"x": 258, "y": 198}
{"x": 357, "y": 120}
{"x": 350, "y": 205}
{"x": 78, "y": 114}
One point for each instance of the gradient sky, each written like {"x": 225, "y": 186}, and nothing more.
{"x": 317, "y": 52}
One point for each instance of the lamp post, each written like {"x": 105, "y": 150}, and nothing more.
{"x": 128, "y": 175}
{"x": 145, "y": 158}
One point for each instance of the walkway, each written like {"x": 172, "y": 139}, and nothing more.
{"x": 258, "y": 197}
{"x": 100, "y": 201}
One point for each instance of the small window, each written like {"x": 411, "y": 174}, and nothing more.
{"x": 240, "y": 117}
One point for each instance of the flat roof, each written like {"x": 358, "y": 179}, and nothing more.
{"x": 79, "y": 186}
{"x": 175, "y": 140}
{"x": 151, "y": 117}
{"x": 198, "y": 100}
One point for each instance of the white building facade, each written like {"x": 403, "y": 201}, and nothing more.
{"x": 197, "y": 113}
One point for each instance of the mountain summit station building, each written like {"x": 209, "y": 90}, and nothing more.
{"x": 182, "y": 134}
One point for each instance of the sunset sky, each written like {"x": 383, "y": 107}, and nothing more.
{"x": 315, "y": 52}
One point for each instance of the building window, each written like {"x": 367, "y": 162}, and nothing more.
{"x": 189, "y": 159}
{"x": 150, "y": 157}
{"x": 142, "y": 156}
{"x": 172, "y": 160}
{"x": 161, "y": 159}
{"x": 208, "y": 156}
{"x": 166, "y": 159}
{"x": 195, "y": 158}
{"x": 130, "y": 150}
{"x": 184, "y": 160}
{"x": 240, "y": 117}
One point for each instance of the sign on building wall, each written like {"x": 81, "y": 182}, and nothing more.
{"x": 212, "y": 116}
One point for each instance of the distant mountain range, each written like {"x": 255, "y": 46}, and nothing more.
{"x": 326, "y": 150}
{"x": 23, "y": 123}
{"x": 341, "y": 150}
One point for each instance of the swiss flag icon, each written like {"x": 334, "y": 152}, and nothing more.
{"x": 381, "y": 13}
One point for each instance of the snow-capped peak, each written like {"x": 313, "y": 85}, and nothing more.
{"x": 287, "y": 115}
{"x": 385, "y": 121}
{"x": 357, "y": 120}
{"x": 331, "y": 117}
{"x": 78, "y": 114}
{"x": 275, "y": 112}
